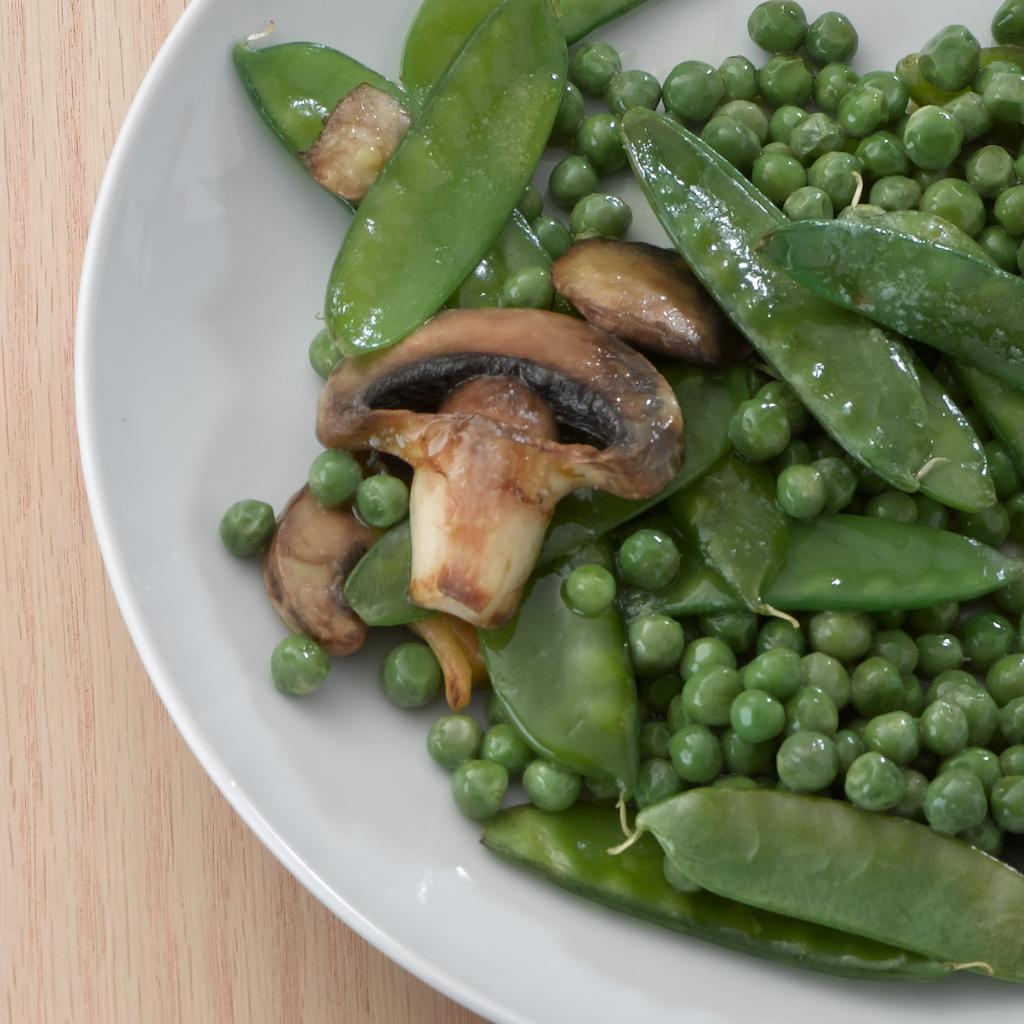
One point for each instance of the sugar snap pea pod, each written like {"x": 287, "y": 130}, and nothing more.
{"x": 731, "y": 517}
{"x": 854, "y": 378}
{"x": 1002, "y": 408}
{"x": 441, "y": 28}
{"x": 847, "y": 563}
{"x": 571, "y": 849}
{"x": 958, "y": 475}
{"x": 377, "y": 588}
{"x": 708, "y": 401}
{"x": 440, "y": 202}
{"x": 566, "y": 680}
{"x": 956, "y": 303}
{"x": 822, "y": 860}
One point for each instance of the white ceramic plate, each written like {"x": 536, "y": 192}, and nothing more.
{"x": 204, "y": 274}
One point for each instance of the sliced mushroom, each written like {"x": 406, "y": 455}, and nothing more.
{"x": 364, "y": 129}
{"x": 458, "y": 652}
{"x": 647, "y": 296}
{"x": 312, "y": 552}
{"x": 501, "y": 413}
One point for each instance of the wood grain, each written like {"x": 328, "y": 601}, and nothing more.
{"x": 129, "y": 890}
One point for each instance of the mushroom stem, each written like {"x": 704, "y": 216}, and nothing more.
{"x": 459, "y": 657}
{"x": 481, "y": 501}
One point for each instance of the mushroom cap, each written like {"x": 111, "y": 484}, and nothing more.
{"x": 620, "y": 427}
{"x": 647, "y": 296}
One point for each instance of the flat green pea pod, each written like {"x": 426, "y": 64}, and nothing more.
{"x": 1001, "y": 406}
{"x": 377, "y": 588}
{"x": 708, "y": 401}
{"x": 566, "y": 680}
{"x": 821, "y": 860}
{"x": 571, "y": 849}
{"x": 855, "y": 379}
{"x": 441, "y": 200}
{"x": 847, "y": 563}
{"x": 441, "y": 28}
{"x": 961, "y": 305}
{"x": 731, "y": 517}
{"x": 924, "y": 94}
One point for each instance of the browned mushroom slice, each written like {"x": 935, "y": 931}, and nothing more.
{"x": 501, "y": 413}
{"x": 364, "y": 129}
{"x": 647, "y": 296}
{"x": 312, "y": 552}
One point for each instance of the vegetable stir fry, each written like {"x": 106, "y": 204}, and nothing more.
{"x": 729, "y": 527}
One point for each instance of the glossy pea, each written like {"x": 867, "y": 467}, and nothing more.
{"x": 990, "y": 170}
{"x": 1004, "y": 98}
{"x": 677, "y": 715}
{"x": 695, "y": 754}
{"x": 777, "y": 672}
{"x": 593, "y": 66}
{"x": 882, "y": 154}
{"x": 410, "y": 675}
{"x": 597, "y": 138}
{"x": 657, "y": 780}
{"x": 479, "y": 787}
{"x": 783, "y": 121}
{"x": 938, "y": 652}
{"x": 708, "y": 694}
{"x": 820, "y": 671}
{"x": 944, "y": 729}
{"x": 571, "y": 179}
{"x": 382, "y": 500}
{"x": 299, "y": 665}
{"x": 1009, "y": 211}
{"x": 876, "y": 687}
{"x": 656, "y": 643}
{"x": 600, "y": 215}
{"x": 693, "y": 89}
{"x": 504, "y": 745}
{"x": 550, "y": 787}
{"x": 979, "y": 708}
{"x": 1002, "y": 469}
{"x": 759, "y": 430}
{"x": 1010, "y": 599}
{"x": 324, "y": 354}
{"x": 749, "y": 114}
{"x": 532, "y": 203}
{"x": 1011, "y": 721}
{"x": 1000, "y": 246}
{"x": 648, "y": 559}
{"x": 785, "y": 80}
{"x": 629, "y": 89}
{"x": 989, "y": 71}
{"x": 895, "y": 192}
{"x": 894, "y": 735}
{"x": 453, "y": 739}
{"x": 590, "y": 589}
{"x": 831, "y": 37}
{"x": 862, "y": 110}
{"x": 807, "y": 762}
{"x": 733, "y": 140}
{"x": 843, "y": 635}
{"x": 970, "y": 112}
{"x": 553, "y": 235}
{"x": 912, "y": 804}
{"x": 1015, "y": 514}
{"x": 246, "y": 527}
{"x": 808, "y": 203}
{"x": 957, "y": 202}
{"x": 932, "y": 138}
{"x": 836, "y": 175}
{"x": 815, "y": 136}
{"x": 1008, "y": 23}
{"x": 978, "y": 761}
{"x": 778, "y": 26}
{"x": 892, "y": 88}
{"x": 895, "y": 506}
{"x": 898, "y": 648}
{"x": 831, "y": 84}
{"x": 756, "y": 716}
{"x": 950, "y": 59}
{"x": 840, "y": 482}
{"x": 740, "y": 78}
{"x": 777, "y": 633}
{"x": 1005, "y": 679}
{"x": 570, "y": 113}
{"x": 849, "y": 746}
{"x": 811, "y": 709}
{"x": 986, "y": 637}
{"x": 874, "y": 783}
{"x": 705, "y": 652}
{"x": 1008, "y": 804}
{"x": 955, "y": 801}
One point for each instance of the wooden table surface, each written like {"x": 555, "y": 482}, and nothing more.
{"x": 129, "y": 889}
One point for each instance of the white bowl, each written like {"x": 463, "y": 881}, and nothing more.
{"x": 203, "y": 279}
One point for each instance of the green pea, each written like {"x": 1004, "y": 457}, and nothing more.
{"x": 939, "y": 652}
{"x": 836, "y": 175}
{"x": 894, "y": 735}
{"x": 453, "y": 739}
{"x": 550, "y": 787}
{"x": 759, "y": 430}
{"x": 657, "y": 780}
{"x": 479, "y": 787}
{"x": 808, "y": 203}
{"x": 989, "y": 170}
{"x": 833, "y": 82}
{"x": 1008, "y": 23}
{"x": 913, "y": 695}
{"x": 843, "y": 635}
{"x": 246, "y": 527}
{"x": 894, "y": 506}
{"x": 1010, "y": 599}
{"x": 840, "y": 482}
{"x": 504, "y": 745}
{"x": 742, "y": 758}
{"x": 1001, "y": 247}
{"x": 779, "y": 633}
{"x": 815, "y": 136}
{"x": 970, "y": 112}
{"x": 776, "y": 672}
{"x": 653, "y": 739}
{"x": 823, "y": 672}
{"x": 571, "y": 179}
{"x": 990, "y": 525}
{"x": 1011, "y": 721}
{"x": 324, "y": 354}
{"x": 648, "y": 559}
{"x": 677, "y": 715}
{"x": 989, "y": 71}
{"x": 382, "y": 500}
{"x": 882, "y": 155}
{"x": 987, "y": 837}
{"x": 733, "y": 140}
{"x": 656, "y": 643}
{"x": 876, "y": 687}
{"x": 831, "y": 37}
{"x": 895, "y": 192}
{"x": 937, "y": 619}
{"x": 740, "y": 78}
{"x": 944, "y": 729}
{"x": 800, "y": 492}
{"x": 589, "y": 589}
{"x": 1011, "y": 760}
{"x": 986, "y": 638}
{"x": 746, "y": 113}
{"x": 783, "y": 121}
{"x": 529, "y": 288}
{"x": 532, "y": 204}
{"x": 974, "y": 701}
{"x": 1001, "y": 468}
{"x": 955, "y": 801}
{"x": 897, "y": 648}
{"x": 1004, "y": 98}
{"x": 570, "y": 113}
{"x": 695, "y": 753}
{"x": 949, "y": 60}
{"x": 932, "y": 138}
{"x": 600, "y": 215}
{"x": 553, "y": 235}
{"x": 811, "y": 709}
{"x": 891, "y": 86}
{"x": 874, "y": 783}
{"x": 705, "y": 652}
{"x": 693, "y": 90}
{"x": 756, "y": 716}
{"x": 629, "y": 90}
{"x": 862, "y": 110}
{"x": 299, "y": 665}
{"x": 593, "y": 66}
{"x": 708, "y": 694}
{"x": 978, "y": 761}
{"x": 785, "y": 80}
{"x": 598, "y": 139}
{"x": 912, "y": 804}
{"x": 410, "y": 675}
{"x": 849, "y": 746}
{"x": 737, "y": 629}
{"x": 807, "y": 762}
{"x": 778, "y": 26}
{"x": 1005, "y": 679}
{"x": 957, "y": 202}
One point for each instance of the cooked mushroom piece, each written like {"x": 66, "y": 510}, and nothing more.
{"x": 501, "y": 413}
{"x": 646, "y": 296}
{"x": 312, "y": 552}
{"x": 457, "y": 649}
{"x": 360, "y": 135}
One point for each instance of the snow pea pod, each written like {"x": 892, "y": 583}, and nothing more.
{"x": 377, "y": 588}
{"x": 566, "y": 680}
{"x": 441, "y": 28}
{"x": 571, "y": 849}
{"x": 848, "y": 563}
{"x": 822, "y": 860}
{"x": 440, "y": 202}
{"x": 854, "y": 378}
{"x": 731, "y": 517}
{"x": 956, "y": 303}
{"x": 1001, "y": 406}
{"x": 708, "y": 401}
